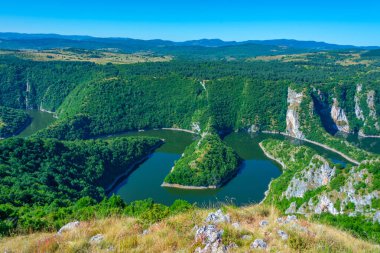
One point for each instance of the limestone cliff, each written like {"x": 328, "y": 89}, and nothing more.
{"x": 355, "y": 196}
{"x": 367, "y": 114}
{"x": 28, "y": 105}
{"x": 311, "y": 184}
{"x": 339, "y": 117}
{"x": 318, "y": 173}
{"x": 358, "y": 111}
{"x": 372, "y": 109}
{"x": 292, "y": 115}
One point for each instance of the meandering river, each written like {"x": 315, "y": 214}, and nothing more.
{"x": 248, "y": 186}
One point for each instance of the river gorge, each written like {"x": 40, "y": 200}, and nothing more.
{"x": 248, "y": 186}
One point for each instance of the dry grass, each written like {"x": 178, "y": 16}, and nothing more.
{"x": 353, "y": 59}
{"x": 176, "y": 234}
{"x": 98, "y": 57}
{"x": 284, "y": 58}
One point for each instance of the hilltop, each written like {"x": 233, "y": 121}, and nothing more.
{"x": 247, "y": 229}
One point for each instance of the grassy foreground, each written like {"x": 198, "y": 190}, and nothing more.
{"x": 176, "y": 234}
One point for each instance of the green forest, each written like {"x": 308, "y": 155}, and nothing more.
{"x": 233, "y": 94}
{"x": 61, "y": 172}
{"x": 12, "y": 121}
{"x": 42, "y": 171}
{"x": 297, "y": 160}
{"x": 206, "y": 162}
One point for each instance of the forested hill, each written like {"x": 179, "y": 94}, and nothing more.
{"x": 92, "y": 99}
{"x": 59, "y": 175}
{"x": 12, "y": 121}
{"x": 39, "y": 172}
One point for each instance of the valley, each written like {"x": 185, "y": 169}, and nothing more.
{"x": 247, "y": 187}
{"x": 159, "y": 130}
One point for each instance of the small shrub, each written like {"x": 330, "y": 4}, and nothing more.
{"x": 128, "y": 243}
{"x": 157, "y": 213}
{"x": 298, "y": 243}
{"x": 179, "y": 206}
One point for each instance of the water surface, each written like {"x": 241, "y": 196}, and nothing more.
{"x": 369, "y": 144}
{"x": 40, "y": 120}
{"x": 247, "y": 187}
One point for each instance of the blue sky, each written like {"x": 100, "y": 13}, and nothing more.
{"x": 343, "y": 22}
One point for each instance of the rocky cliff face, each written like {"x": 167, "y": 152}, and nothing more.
{"x": 318, "y": 173}
{"x": 355, "y": 196}
{"x": 339, "y": 117}
{"x": 292, "y": 114}
{"x": 372, "y": 109}
{"x": 371, "y": 104}
{"x": 358, "y": 111}
{"x": 368, "y": 114}
{"x": 28, "y": 105}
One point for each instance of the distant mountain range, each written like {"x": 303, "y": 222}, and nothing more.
{"x": 158, "y": 42}
{"x": 206, "y": 49}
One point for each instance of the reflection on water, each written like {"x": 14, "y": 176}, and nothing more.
{"x": 247, "y": 187}
{"x": 40, "y": 120}
{"x": 369, "y": 144}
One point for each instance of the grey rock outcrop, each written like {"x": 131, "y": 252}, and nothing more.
{"x": 350, "y": 195}
{"x": 282, "y": 234}
{"x": 253, "y": 129}
{"x": 325, "y": 205}
{"x": 290, "y": 218}
{"x": 371, "y": 104}
{"x": 263, "y": 223}
{"x": 211, "y": 237}
{"x": 317, "y": 174}
{"x": 339, "y": 117}
{"x": 195, "y": 127}
{"x": 69, "y": 226}
{"x": 247, "y": 237}
{"x": 259, "y": 244}
{"x": 376, "y": 217}
{"x": 372, "y": 108}
{"x": 236, "y": 225}
{"x": 370, "y": 119}
{"x": 293, "y": 127}
{"x": 358, "y": 111}
{"x": 292, "y": 208}
{"x": 217, "y": 217}
{"x": 96, "y": 239}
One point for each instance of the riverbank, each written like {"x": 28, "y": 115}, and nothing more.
{"x": 368, "y": 136}
{"x": 141, "y": 131}
{"x": 130, "y": 169}
{"x": 55, "y": 115}
{"x": 318, "y": 144}
{"x": 176, "y": 129}
{"x": 272, "y": 157}
{"x": 188, "y": 187}
{"x": 333, "y": 150}
{"x": 192, "y": 187}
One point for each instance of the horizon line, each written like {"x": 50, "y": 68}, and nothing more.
{"x": 179, "y": 41}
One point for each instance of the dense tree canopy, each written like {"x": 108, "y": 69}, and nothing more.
{"x": 12, "y": 121}
{"x": 39, "y": 171}
{"x": 206, "y": 162}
